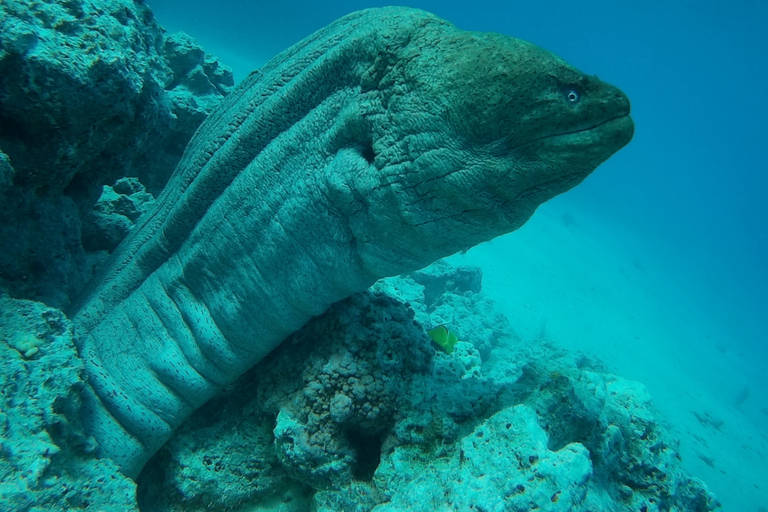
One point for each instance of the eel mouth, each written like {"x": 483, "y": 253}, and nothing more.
{"x": 618, "y": 130}
{"x": 599, "y": 141}
{"x": 574, "y": 155}
{"x": 622, "y": 124}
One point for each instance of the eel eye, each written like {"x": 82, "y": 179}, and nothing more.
{"x": 572, "y": 95}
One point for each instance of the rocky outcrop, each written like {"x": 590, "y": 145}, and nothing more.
{"x": 47, "y": 461}
{"x": 90, "y": 92}
{"x": 355, "y": 411}
{"x": 114, "y": 214}
{"x": 328, "y": 423}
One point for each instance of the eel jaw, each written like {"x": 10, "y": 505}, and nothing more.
{"x": 568, "y": 158}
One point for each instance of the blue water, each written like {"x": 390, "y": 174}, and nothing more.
{"x": 690, "y": 188}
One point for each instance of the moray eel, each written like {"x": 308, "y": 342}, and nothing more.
{"x": 379, "y": 144}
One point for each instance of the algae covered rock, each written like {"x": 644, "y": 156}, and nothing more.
{"x": 47, "y": 461}
{"x": 527, "y": 428}
{"x": 41, "y": 255}
{"x": 504, "y": 464}
{"x": 82, "y": 87}
{"x": 115, "y": 214}
{"x": 338, "y": 400}
{"x": 88, "y": 86}
{"x": 90, "y": 92}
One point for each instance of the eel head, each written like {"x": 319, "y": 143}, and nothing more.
{"x": 462, "y": 135}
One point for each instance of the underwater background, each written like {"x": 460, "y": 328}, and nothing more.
{"x": 658, "y": 262}
{"x": 626, "y": 315}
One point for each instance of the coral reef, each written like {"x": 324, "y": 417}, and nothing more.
{"x": 89, "y": 85}
{"x": 503, "y": 464}
{"x": 46, "y": 459}
{"x": 357, "y": 411}
{"x": 89, "y": 92}
{"x": 333, "y": 407}
{"x": 114, "y": 214}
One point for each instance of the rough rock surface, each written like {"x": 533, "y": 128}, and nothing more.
{"x": 85, "y": 87}
{"x": 525, "y": 428}
{"x": 90, "y": 91}
{"x": 355, "y": 412}
{"x": 41, "y": 256}
{"x": 504, "y": 464}
{"x": 46, "y": 459}
{"x": 114, "y": 214}
{"x": 334, "y": 406}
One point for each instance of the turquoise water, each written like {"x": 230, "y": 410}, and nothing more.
{"x": 653, "y": 270}
{"x": 681, "y": 210}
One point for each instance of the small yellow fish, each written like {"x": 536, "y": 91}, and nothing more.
{"x": 443, "y": 337}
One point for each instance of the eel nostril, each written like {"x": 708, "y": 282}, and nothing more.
{"x": 368, "y": 154}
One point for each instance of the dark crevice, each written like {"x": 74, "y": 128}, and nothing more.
{"x": 368, "y": 154}
{"x": 368, "y": 449}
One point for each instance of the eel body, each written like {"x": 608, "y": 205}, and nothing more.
{"x": 379, "y": 144}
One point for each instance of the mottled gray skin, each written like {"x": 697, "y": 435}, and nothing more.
{"x": 377, "y": 145}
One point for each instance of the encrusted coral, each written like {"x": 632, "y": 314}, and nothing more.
{"x": 114, "y": 214}
{"x": 336, "y": 386}
{"x": 47, "y": 462}
{"x": 357, "y": 411}
{"x": 90, "y": 91}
